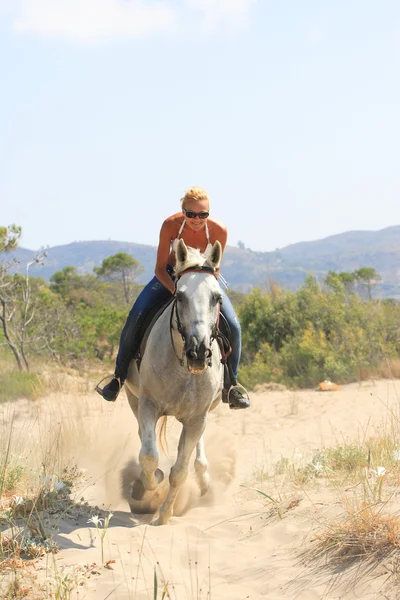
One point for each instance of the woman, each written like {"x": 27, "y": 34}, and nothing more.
{"x": 199, "y": 230}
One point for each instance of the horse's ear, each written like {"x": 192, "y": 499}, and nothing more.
{"x": 181, "y": 252}
{"x": 215, "y": 255}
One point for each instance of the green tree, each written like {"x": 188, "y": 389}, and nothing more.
{"x": 17, "y": 302}
{"x": 9, "y": 237}
{"x": 338, "y": 281}
{"x": 317, "y": 333}
{"x": 65, "y": 281}
{"x": 348, "y": 280}
{"x": 267, "y": 318}
{"x": 120, "y": 268}
{"x": 368, "y": 278}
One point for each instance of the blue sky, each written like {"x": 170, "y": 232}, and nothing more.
{"x": 286, "y": 112}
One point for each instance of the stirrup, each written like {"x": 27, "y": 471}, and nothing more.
{"x": 99, "y": 389}
{"x": 226, "y": 396}
{"x": 243, "y": 388}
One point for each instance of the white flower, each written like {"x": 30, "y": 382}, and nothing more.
{"x": 298, "y": 454}
{"x": 380, "y": 471}
{"x": 96, "y": 520}
{"x": 59, "y": 485}
{"x": 47, "y": 480}
{"x": 18, "y": 500}
{"x": 318, "y": 467}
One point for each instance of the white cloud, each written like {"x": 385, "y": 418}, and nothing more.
{"x": 96, "y": 20}
{"x": 90, "y": 20}
{"x": 236, "y": 13}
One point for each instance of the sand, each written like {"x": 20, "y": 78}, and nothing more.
{"x": 230, "y": 544}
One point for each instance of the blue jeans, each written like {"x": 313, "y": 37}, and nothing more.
{"x": 155, "y": 293}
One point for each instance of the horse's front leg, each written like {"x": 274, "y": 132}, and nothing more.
{"x": 151, "y": 476}
{"x": 201, "y": 466}
{"x": 191, "y": 434}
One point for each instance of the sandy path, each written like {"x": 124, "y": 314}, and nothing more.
{"x": 226, "y": 546}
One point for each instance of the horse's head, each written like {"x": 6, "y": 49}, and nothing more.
{"x": 198, "y": 298}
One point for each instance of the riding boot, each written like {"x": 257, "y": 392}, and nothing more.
{"x": 235, "y": 398}
{"x": 230, "y": 394}
{"x": 111, "y": 390}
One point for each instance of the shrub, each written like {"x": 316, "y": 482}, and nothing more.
{"x": 315, "y": 334}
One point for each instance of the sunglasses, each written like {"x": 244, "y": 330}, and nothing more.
{"x": 191, "y": 214}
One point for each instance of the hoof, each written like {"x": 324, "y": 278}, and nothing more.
{"x": 141, "y": 500}
{"x": 138, "y": 491}
{"x": 153, "y": 485}
{"x": 159, "y": 475}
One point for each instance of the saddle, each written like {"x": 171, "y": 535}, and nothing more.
{"x": 150, "y": 319}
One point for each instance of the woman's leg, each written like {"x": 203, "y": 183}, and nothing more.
{"x": 235, "y": 335}
{"x": 152, "y": 294}
{"x": 231, "y": 394}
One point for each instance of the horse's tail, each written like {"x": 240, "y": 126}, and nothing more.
{"x": 162, "y": 434}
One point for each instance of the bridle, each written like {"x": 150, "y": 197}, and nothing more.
{"x": 200, "y": 269}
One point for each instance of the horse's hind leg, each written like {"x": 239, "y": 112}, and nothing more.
{"x": 190, "y": 436}
{"x": 151, "y": 476}
{"x": 200, "y": 466}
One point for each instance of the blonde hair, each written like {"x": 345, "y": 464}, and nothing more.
{"x": 195, "y": 194}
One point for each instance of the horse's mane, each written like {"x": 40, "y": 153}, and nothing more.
{"x": 194, "y": 259}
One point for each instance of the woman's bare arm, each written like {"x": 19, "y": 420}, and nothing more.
{"x": 222, "y": 237}
{"x": 162, "y": 258}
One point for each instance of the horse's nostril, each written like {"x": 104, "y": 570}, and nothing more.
{"x": 208, "y": 353}
{"x": 191, "y": 354}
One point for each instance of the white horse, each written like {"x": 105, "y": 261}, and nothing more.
{"x": 180, "y": 373}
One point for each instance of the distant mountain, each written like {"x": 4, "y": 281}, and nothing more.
{"x": 244, "y": 268}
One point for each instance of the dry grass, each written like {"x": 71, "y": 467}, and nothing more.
{"x": 47, "y": 378}
{"x": 365, "y": 539}
{"x": 38, "y": 489}
{"x": 362, "y": 546}
{"x": 357, "y": 478}
{"x": 344, "y": 464}
{"x": 366, "y": 533}
{"x": 28, "y": 525}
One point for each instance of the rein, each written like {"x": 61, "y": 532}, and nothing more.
{"x": 200, "y": 269}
